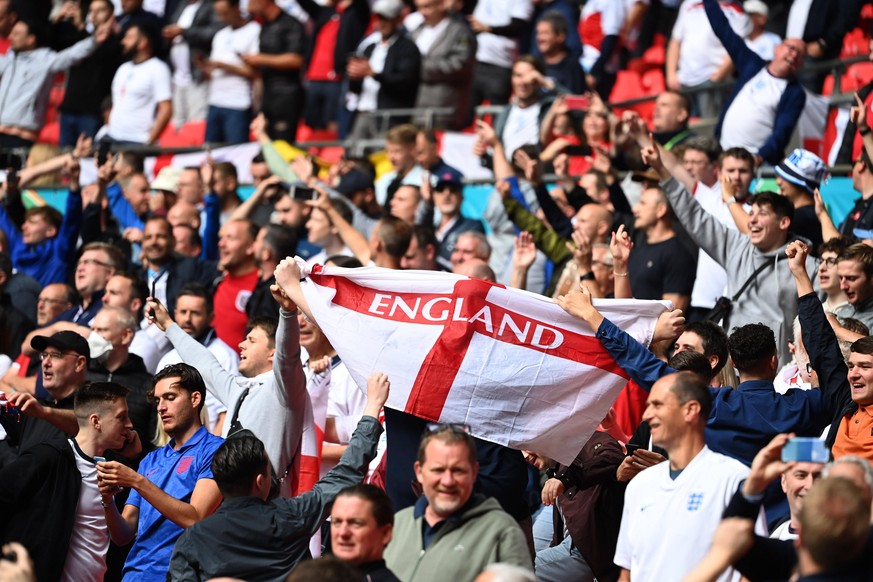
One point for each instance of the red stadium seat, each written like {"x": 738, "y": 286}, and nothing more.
{"x": 655, "y": 56}
{"x": 627, "y": 86}
{"x": 50, "y": 133}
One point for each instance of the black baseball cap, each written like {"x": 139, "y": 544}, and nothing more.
{"x": 63, "y": 340}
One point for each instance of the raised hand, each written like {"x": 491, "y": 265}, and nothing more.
{"x": 525, "y": 251}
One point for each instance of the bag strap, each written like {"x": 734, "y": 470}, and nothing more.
{"x": 749, "y": 280}
{"x": 235, "y": 424}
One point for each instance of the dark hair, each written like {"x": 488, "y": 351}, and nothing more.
{"x": 602, "y": 184}
{"x": 855, "y": 325}
{"x": 863, "y": 345}
{"x": 226, "y": 169}
{"x": 533, "y": 61}
{"x": 702, "y": 143}
{"x": 752, "y": 346}
{"x": 281, "y": 240}
{"x": 343, "y": 261}
{"x": 150, "y": 32}
{"x": 134, "y": 160}
{"x": 91, "y": 395}
{"x": 738, "y": 154}
{"x": 259, "y": 159}
{"x": 163, "y": 220}
{"x": 714, "y": 340}
{"x": 837, "y": 245}
{"x": 325, "y": 569}
{"x": 6, "y": 265}
{"x": 424, "y": 236}
{"x": 557, "y": 21}
{"x": 37, "y": 29}
{"x": 189, "y": 379}
{"x": 197, "y": 290}
{"x": 343, "y": 210}
{"x": 138, "y": 289}
{"x": 268, "y": 325}
{"x": 448, "y": 435}
{"x": 691, "y": 361}
{"x": 687, "y": 386}
{"x": 380, "y": 503}
{"x": 781, "y": 205}
{"x": 683, "y": 98}
{"x": 236, "y": 463}
{"x": 250, "y": 227}
{"x": 49, "y": 214}
{"x": 429, "y": 136}
{"x": 395, "y": 235}
{"x": 196, "y": 239}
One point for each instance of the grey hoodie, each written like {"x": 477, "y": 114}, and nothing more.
{"x": 771, "y": 298}
{"x": 25, "y": 80}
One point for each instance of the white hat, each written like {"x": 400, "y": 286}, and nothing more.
{"x": 755, "y": 7}
{"x": 388, "y": 8}
{"x": 167, "y": 179}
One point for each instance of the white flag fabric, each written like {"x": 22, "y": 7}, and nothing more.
{"x": 511, "y": 364}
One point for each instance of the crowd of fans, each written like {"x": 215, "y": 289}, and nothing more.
{"x": 170, "y": 408}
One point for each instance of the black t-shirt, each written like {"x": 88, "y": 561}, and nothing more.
{"x": 664, "y": 267}
{"x": 283, "y": 35}
{"x": 807, "y": 225}
{"x": 861, "y": 217}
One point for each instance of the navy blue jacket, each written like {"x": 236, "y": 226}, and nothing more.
{"x": 742, "y": 421}
{"x": 748, "y": 64}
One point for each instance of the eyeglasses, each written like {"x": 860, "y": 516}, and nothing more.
{"x": 830, "y": 262}
{"x": 457, "y": 428}
{"x": 54, "y": 356}
{"x": 90, "y": 262}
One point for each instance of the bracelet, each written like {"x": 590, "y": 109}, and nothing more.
{"x": 589, "y": 276}
{"x": 105, "y": 503}
{"x": 864, "y": 130}
{"x": 619, "y": 274}
{"x": 731, "y": 200}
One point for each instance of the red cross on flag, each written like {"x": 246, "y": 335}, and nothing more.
{"x": 511, "y": 364}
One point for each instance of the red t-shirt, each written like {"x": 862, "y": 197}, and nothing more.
{"x": 231, "y": 297}
{"x": 321, "y": 67}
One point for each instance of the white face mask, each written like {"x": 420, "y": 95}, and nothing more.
{"x": 99, "y": 346}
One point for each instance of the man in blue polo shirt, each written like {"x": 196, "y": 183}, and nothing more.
{"x": 174, "y": 487}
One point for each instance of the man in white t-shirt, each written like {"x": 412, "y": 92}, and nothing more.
{"x": 695, "y": 56}
{"x": 498, "y": 25}
{"x": 678, "y": 503}
{"x": 141, "y": 91}
{"x": 796, "y": 482}
{"x": 231, "y": 79}
{"x": 49, "y": 495}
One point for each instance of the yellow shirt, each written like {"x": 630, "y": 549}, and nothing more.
{"x": 855, "y": 435}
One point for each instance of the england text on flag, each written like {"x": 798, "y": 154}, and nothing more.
{"x": 511, "y": 364}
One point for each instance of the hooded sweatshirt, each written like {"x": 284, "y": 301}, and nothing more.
{"x": 771, "y": 298}
{"x": 479, "y": 534}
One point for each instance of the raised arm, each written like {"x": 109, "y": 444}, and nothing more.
{"x": 733, "y": 43}
{"x": 705, "y": 230}
{"x": 349, "y": 235}
{"x": 633, "y": 357}
{"x": 287, "y": 367}
{"x": 314, "y": 505}
{"x": 218, "y": 381}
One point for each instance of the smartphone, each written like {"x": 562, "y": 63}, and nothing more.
{"x": 103, "y": 153}
{"x": 631, "y": 449}
{"x": 154, "y": 290}
{"x": 303, "y": 193}
{"x": 577, "y": 102}
{"x": 99, "y": 459}
{"x": 805, "y": 450}
{"x": 577, "y": 150}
